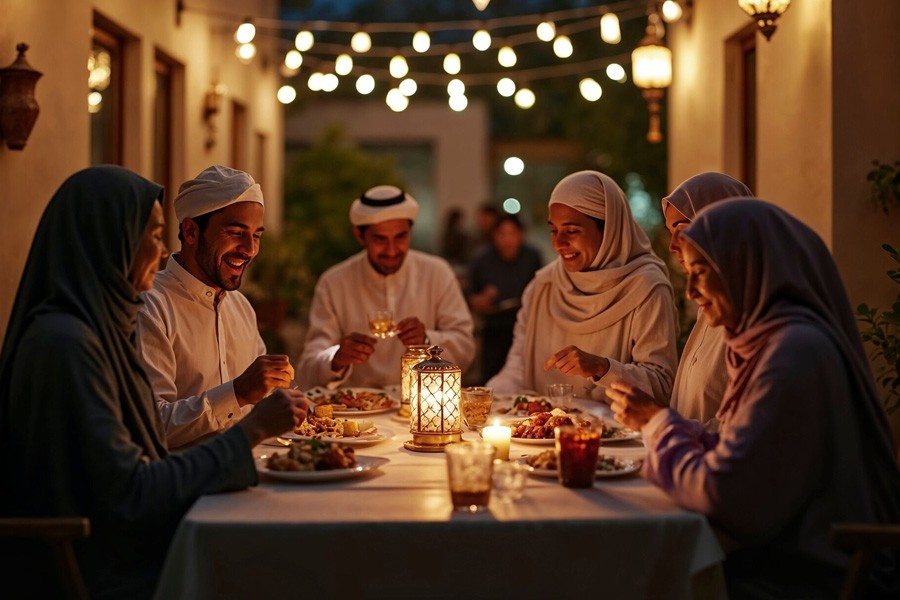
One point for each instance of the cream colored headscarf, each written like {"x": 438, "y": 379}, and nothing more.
{"x": 702, "y": 190}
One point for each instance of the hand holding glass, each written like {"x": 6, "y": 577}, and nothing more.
{"x": 381, "y": 323}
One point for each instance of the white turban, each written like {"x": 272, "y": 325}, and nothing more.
{"x": 214, "y": 188}
{"x": 383, "y": 203}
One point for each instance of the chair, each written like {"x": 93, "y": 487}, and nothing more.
{"x": 58, "y": 533}
{"x": 862, "y": 541}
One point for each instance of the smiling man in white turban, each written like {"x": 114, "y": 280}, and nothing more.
{"x": 197, "y": 335}
{"x": 420, "y": 289}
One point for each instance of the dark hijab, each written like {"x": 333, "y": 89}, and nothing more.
{"x": 78, "y": 265}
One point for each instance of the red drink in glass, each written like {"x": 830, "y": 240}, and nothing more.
{"x": 577, "y": 451}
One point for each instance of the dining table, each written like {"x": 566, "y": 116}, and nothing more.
{"x": 391, "y": 532}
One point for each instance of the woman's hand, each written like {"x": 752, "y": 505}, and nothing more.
{"x": 280, "y": 411}
{"x": 572, "y": 360}
{"x": 631, "y": 406}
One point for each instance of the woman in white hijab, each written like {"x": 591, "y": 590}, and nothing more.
{"x": 803, "y": 440}
{"x": 603, "y": 311}
{"x": 701, "y": 378}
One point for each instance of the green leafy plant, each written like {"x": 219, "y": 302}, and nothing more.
{"x": 882, "y": 331}
{"x": 885, "y": 180}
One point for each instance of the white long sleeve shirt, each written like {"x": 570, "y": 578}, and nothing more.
{"x": 424, "y": 287}
{"x": 192, "y": 350}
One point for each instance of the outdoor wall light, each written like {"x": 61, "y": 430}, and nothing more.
{"x": 212, "y": 104}
{"x": 765, "y": 13}
{"x": 651, "y": 70}
{"x": 18, "y": 108}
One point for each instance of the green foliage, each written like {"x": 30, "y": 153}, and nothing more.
{"x": 882, "y": 331}
{"x": 885, "y": 180}
{"x": 320, "y": 184}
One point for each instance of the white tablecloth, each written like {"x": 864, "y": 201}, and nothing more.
{"x": 392, "y": 534}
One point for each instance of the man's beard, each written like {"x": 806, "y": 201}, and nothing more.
{"x": 213, "y": 268}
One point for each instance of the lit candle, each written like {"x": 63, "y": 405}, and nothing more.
{"x": 498, "y": 436}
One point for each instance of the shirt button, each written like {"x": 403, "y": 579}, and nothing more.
{"x": 208, "y": 294}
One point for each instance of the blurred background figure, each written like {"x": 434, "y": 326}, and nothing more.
{"x": 487, "y": 220}
{"x": 497, "y": 277}
{"x": 455, "y": 244}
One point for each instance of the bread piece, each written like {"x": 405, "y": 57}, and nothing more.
{"x": 351, "y": 428}
{"x": 324, "y": 411}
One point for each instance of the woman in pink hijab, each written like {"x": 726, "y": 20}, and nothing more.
{"x": 803, "y": 440}
{"x": 701, "y": 377}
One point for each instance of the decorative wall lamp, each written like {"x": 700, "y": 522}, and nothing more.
{"x": 765, "y": 13}
{"x": 212, "y": 104}
{"x": 651, "y": 70}
{"x": 18, "y": 108}
{"x": 434, "y": 404}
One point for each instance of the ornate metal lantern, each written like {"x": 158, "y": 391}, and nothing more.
{"x": 434, "y": 404}
{"x": 413, "y": 356}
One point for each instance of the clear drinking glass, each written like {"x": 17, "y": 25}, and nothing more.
{"x": 475, "y": 403}
{"x": 381, "y": 323}
{"x": 509, "y": 480}
{"x": 469, "y": 470}
{"x": 560, "y": 394}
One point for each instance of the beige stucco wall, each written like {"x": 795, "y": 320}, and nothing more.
{"x": 59, "y": 36}
{"x": 829, "y": 103}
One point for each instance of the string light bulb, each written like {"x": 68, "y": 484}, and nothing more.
{"x": 398, "y": 67}
{"x": 590, "y": 89}
{"x": 452, "y": 64}
{"x": 562, "y": 46}
{"x": 421, "y": 41}
{"x": 408, "y": 87}
{"x": 546, "y": 31}
{"x": 459, "y": 102}
{"x": 246, "y": 52}
{"x": 304, "y": 40}
{"x": 365, "y": 84}
{"x": 245, "y": 32}
{"x": 456, "y": 87}
{"x": 524, "y": 98}
{"x": 609, "y": 28}
{"x": 481, "y": 4}
{"x": 286, "y": 94}
{"x": 671, "y": 11}
{"x": 329, "y": 82}
{"x": 396, "y": 101}
{"x": 506, "y": 56}
{"x": 506, "y": 87}
{"x": 293, "y": 60}
{"x": 616, "y": 72}
{"x": 343, "y": 64}
{"x": 315, "y": 82}
{"x": 481, "y": 39}
{"x": 361, "y": 42}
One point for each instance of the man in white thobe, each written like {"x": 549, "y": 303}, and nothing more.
{"x": 420, "y": 289}
{"x": 197, "y": 334}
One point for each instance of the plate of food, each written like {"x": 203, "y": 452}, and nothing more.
{"x": 617, "y": 433}
{"x": 354, "y": 402}
{"x": 538, "y": 428}
{"x": 346, "y": 431}
{"x": 314, "y": 460}
{"x": 543, "y": 464}
{"x": 522, "y": 405}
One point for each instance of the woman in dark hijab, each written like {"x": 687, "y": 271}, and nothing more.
{"x": 79, "y": 431}
{"x": 803, "y": 440}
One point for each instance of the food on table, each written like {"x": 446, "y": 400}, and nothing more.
{"x": 540, "y": 426}
{"x": 324, "y": 411}
{"x": 610, "y": 432}
{"x": 608, "y": 464}
{"x": 318, "y": 427}
{"x": 528, "y": 405}
{"x": 313, "y": 455}
{"x": 348, "y": 399}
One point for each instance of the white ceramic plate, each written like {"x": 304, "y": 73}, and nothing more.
{"x": 318, "y": 393}
{"x": 629, "y": 465}
{"x": 535, "y": 441}
{"x": 619, "y": 434}
{"x": 369, "y": 439}
{"x": 364, "y": 464}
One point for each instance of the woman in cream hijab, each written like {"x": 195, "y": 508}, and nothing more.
{"x": 701, "y": 377}
{"x": 603, "y": 311}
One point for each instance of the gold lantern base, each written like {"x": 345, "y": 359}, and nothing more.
{"x": 431, "y": 442}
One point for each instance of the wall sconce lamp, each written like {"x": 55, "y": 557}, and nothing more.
{"x": 651, "y": 70}
{"x": 18, "y": 108}
{"x": 212, "y": 104}
{"x": 765, "y": 13}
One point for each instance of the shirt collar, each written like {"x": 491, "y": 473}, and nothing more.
{"x": 203, "y": 293}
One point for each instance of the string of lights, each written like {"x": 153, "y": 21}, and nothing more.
{"x": 329, "y": 59}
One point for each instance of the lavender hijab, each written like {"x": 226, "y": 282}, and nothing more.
{"x": 777, "y": 272}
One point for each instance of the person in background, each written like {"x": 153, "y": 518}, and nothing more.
{"x": 701, "y": 376}
{"x": 603, "y": 311}
{"x": 803, "y": 440}
{"x": 420, "y": 289}
{"x": 80, "y": 434}
{"x": 455, "y": 244}
{"x": 497, "y": 278}
{"x": 197, "y": 333}
{"x": 487, "y": 218}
